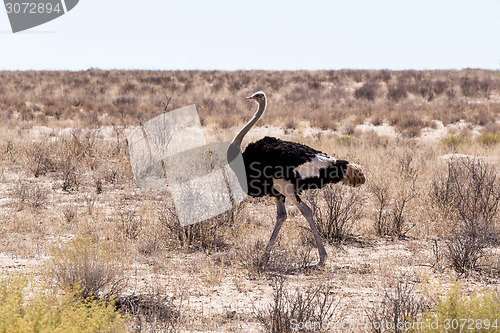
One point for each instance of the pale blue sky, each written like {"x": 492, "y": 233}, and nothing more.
{"x": 231, "y": 35}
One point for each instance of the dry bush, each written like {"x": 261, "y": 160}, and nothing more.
{"x": 153, "y": 238}
{"x": 209, "y": 234}
{"x": 381, "y": 215}
{"x": 291, "y": 123}
{"x": 348, "y": 130}
{"x": 151, "y": 311}
{"x": 393, "y": 200}
{"x": 283, "y": 260}
{"x": 425, "y": 90}
{"x": 7, "y": 150}
{"x": 250, "y": 256}
{"x": 466, "y": 250}
{"x": 451, "y": 94}
{"x": 407, "y": 122}
{"x": 474, "y": 87}
{"x": 377, "y": 120}
{"x": 336, "y": 209}
{"x": 468, "y": 191}
{"x": 483, "y": 116}
{"x": 289, "y": 312}
{"x": 80, "y": 144}
{"x": 130, "y": 224}
{"x": 70, "y": 214}
{"x": 98, "y": 185}
{"x": 228, "y": 123}
{"x": 437, "y": 256}
{"x": 69, "y": 176}
{"x": 290, "y": 259}
{"x": 325, "y": 121}
{"x": 391, "y": 216}
{"x": 367, "y": 91}
{"x": 93, "y": 268}
{"x": 468, "y": 196}
{"x": 397, "y": 92}
{"x": 491, "y": 128}
{"x": 31, "y": 195}
{"x": 400, "y": 222}
{"x": 430, "y": 89}
{"x": 399, "y": 306}
{"x": 40, "y": 159}
{"x": 76, "y": 152}
{"x": 384, "y": 75}
{"x": 411, "y": 126}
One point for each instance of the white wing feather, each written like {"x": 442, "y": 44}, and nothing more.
{"x": 312, "y": 168}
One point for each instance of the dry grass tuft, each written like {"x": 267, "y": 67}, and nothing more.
{"x": 283, "y": 260}
{"x": 207, "y": 235}
{"x": 92, "y": 267}
{"x": 336, "y": 209}
{"x": 289, "y": 312}
{"x": 399, "y": 306}
{"x": 31, "y": 195}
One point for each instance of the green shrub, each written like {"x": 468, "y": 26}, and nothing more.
{"x": 45, "y": 312}
{"x": 452, "y": 141}
{"x": 461, "y": 312}
{"x": 489, "y": 139}
{"x": 345, "y": 140}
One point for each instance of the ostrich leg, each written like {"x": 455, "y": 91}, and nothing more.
{"x": 306, "y": 211}
{"x": 280, "y": 218}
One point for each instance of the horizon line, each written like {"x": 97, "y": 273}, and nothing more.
{"x": 248, "y": 70}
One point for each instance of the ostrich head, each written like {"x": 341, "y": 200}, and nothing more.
{"x": 259, "y": 97}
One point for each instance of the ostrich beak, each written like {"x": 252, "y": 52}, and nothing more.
{"x": 249, "y": 97}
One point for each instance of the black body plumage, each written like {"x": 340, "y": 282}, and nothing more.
{"x": 271, "y": 158}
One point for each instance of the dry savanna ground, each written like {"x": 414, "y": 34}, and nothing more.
{"x": 418, "y": 243}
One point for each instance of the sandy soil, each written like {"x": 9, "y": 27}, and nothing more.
{"x": 223, "y": 297}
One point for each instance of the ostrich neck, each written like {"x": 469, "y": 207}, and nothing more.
{"x": 241, "y": 134}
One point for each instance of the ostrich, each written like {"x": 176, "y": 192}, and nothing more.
{"x": 283, "y": 169}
